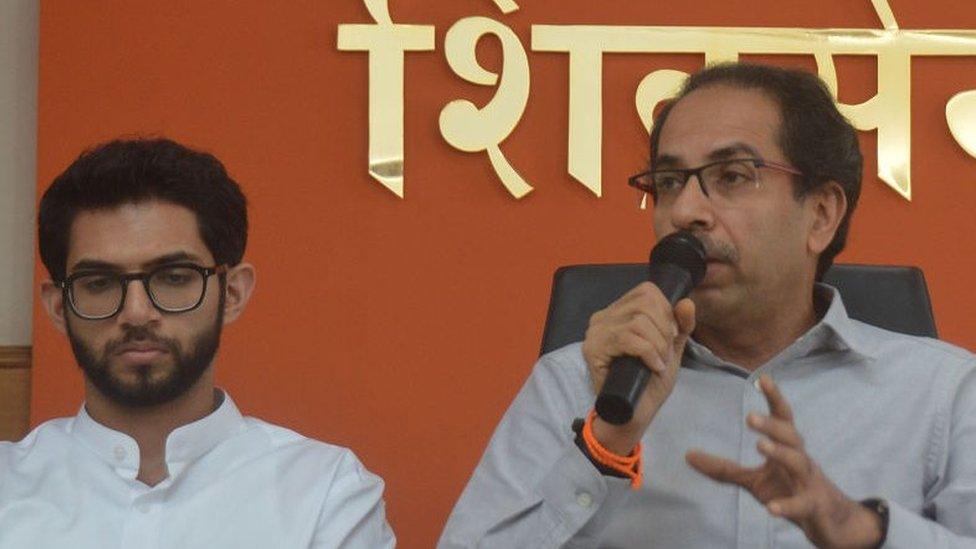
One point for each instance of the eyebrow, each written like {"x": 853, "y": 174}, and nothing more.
{"x": 665, "y": 161}
{"x": 731, "y": 151}
{"x": 99, "y": 265}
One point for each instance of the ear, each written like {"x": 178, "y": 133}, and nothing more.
{"x": 52, "y": 297}
{"x": 827, "y": 205}
{"x": 240, "y": 284}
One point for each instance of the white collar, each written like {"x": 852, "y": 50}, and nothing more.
{"x": 183, "y": 445}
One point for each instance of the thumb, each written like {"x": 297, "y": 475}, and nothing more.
{"x": 684, "y": 315}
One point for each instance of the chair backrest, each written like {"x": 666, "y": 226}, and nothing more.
{"x": 890, "y": 297}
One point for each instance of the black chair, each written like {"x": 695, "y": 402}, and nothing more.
{"x": 894, "y": 298}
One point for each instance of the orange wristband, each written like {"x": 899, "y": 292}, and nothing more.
{"x": 632, "y": 466}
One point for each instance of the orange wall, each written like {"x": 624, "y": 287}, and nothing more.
{"x": 402, "y": 328}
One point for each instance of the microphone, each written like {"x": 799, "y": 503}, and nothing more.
{"x": 676, "y": 266}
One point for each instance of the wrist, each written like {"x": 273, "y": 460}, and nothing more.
{"x": 619, "y": 439}
{"x": 580, "y": 442}
{"x": 874, "y": 517}
{"x": 605, "y": 460}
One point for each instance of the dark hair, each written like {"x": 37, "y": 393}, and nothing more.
{"x": 814, "y": 135}
{"x": 138, "y": 170}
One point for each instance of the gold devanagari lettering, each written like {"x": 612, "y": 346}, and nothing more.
{"x": 507, "y": 6}
{"x": 386, "y": 44}
{"x": 462, "y": 123}
{"x": 468, "y": 128}
{"x": 889, "y": 111}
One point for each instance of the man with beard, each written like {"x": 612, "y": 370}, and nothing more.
{"x": 771, "y": 418}
{"x": 144, "y": 240}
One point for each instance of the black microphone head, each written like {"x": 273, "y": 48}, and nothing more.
{"x": 683, "y": 250}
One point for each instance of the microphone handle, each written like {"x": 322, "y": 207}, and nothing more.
{"x": 628, "y": 375}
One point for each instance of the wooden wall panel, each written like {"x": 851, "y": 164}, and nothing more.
{"x": 14, "y": 392}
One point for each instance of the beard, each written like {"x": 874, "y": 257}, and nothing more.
{"x": 148, "y": 390}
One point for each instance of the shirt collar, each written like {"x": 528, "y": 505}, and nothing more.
{"x": 183, "y": 445}
{"x": 841, "y": 329}
{"x": 835, "y": 331}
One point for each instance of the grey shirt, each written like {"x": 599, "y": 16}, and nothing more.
{"x": 883, "y": 414}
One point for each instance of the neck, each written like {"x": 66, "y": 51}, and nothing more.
{"x": 753, "y": 338}
{"x": 151, "y": 426}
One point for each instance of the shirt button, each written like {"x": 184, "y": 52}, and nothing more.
{"x": 584, "y": 499}
{"x": 119, "y": 452}
{"x": 755, "y": 384}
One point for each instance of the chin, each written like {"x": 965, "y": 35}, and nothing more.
{"x": 144, "y": 392}
{"x": 140, "y": 385}
{"x": 713, "y": 302}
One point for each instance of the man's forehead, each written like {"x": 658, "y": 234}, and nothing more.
{"x": 135, "y": 233}
{"x": 717, "y": 121}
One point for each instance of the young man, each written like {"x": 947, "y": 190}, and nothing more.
{"x": 144, "y": 241}
{"x": 771, "y": 418}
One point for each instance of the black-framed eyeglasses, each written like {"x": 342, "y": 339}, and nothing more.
{"x": 99, "y": 294}
{"x": 725, "y": 181}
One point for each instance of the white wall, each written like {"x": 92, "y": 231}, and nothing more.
{"x": 18, "y": 153}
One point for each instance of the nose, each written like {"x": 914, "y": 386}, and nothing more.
{"x": 137, "y": 309}
{"x": 692, "y": 209}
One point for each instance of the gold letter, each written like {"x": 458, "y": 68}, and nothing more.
{"x": 470, "y": 129}
{"x": 585, "y": 97}
{"x": 386, "y": 43}
{"x": 586, "y": 46}
{"x": 654, "y": 88}
{"x": 507, "y": 6}
{"x": 960, "y": 114}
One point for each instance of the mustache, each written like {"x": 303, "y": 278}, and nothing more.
{"x": 717, "y": 250}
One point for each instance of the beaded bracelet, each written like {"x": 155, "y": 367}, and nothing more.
{"x": 630, "y": 466}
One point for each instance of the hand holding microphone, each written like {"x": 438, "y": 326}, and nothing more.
{"x": 643, "y": 332}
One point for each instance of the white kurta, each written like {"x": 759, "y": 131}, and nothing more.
{"x": 233, "y": 482}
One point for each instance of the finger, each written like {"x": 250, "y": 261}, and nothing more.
{"x": 640, "y": 291}
{"x": 661, "y": 319}
{"x": 636, "y": 336}
{"x": 626, "y": 305}
{"x": 778, "y": 406}
{"x": 795, "y": 508}
{"x": 645, "y": 328}
{"x": 659, "y": 313}
{"x": 658, "y": 333}
{"x": 658, "y": 325}
{"x": 797, "y": 463}
{"x": 684, "y": 316}
{"x": 643, "y": 291}
{"x": 628, "y": 343}
{"x": 643, "y": 325}
{"x": 776, "y": 429}
{"x": 644, "y": 295}
{"x": 604, "y": 343}
{"x": 719, "y": 469}
{"x": 606, "y": 336}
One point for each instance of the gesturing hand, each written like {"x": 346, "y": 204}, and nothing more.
{"x": 790, "y": 484}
